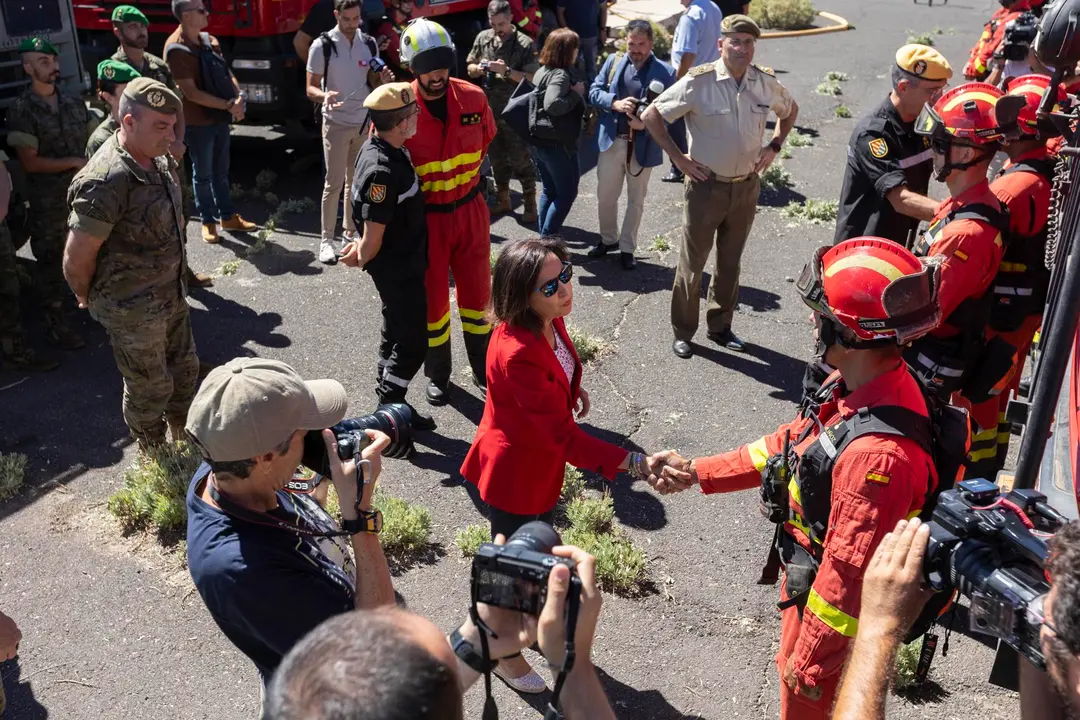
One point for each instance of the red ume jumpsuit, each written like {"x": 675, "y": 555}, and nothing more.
{"x": 447, "y": 158}
{"x": 978, "y": 64}
{"x": 876, "y": 481}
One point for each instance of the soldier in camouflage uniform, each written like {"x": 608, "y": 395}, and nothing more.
{"x": 48, "y": 130}
{"x": 112, "y": 77}
{"x": 125, "y": 261}
{"x": 131, "y": 28}
{"x": 502, "y": 55}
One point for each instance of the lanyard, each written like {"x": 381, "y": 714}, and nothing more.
{"x": 265, "y": 519}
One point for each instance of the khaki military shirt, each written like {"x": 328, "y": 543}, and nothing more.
{"x": 153, "y": 67}
{"x": 60, "y": 133}
{"x": 518, "y": 54}
{"x": 101, "y": 133}
{"x": 139, "y": 212}
{"x": 725, "y": 119}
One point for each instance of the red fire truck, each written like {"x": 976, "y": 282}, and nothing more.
{"x": 256, "y": 36}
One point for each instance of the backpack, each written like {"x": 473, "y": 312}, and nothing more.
{"x": 328, "y": 49}
{"x": 216, "y": 77}
{"x": 550, "y": 130}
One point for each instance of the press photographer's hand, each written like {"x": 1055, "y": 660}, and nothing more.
{"x": 343, "y": 474}
{"x": 551, "y": 629}
{"x": 513, "y": 630}
{"x": 892, "y": 593}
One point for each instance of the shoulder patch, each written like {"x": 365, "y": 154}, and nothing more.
{"x": 879, "y": 478}
{"x": 701, "y": 70}
{"x": 377, "y": 193}
{"x": 879, "y": 148}
{"x": 471, "y": 118}
{"x": 766, "y": 70}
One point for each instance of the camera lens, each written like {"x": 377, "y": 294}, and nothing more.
{"x": 395, "y": 420}
{"x": 537, "y": 536}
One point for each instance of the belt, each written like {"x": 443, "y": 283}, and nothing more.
{"x": 454, "y": 204}
{"x": 729, "y": 180}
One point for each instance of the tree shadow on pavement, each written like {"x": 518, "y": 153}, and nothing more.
{"x": 224, "y": 328}
{"x": 779, "y": 197}
{"x": 636, "y": 508}
{"x": 608, "y": 273}
{"x": 21, "y": 702}
{"x": 272, "y": 259}
{"x": 928, "y": 692}
{"x": 628, "y": 702}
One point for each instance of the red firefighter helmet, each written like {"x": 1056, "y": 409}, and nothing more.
{"x": 1033, "y": 88}
{"x": 963, "y": 115}
{"x": 875, "y": 288}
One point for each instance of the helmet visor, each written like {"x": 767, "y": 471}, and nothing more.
{"x": 911, "y": 304}
{"x": 810, "y": 287}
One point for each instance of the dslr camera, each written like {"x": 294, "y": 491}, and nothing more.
{"x": 1019, "y": 36}
{"x": 992, "y": 548}
{"x": 394, "y": 419}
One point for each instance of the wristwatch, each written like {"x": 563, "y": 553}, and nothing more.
{"x": 776, "y": 145}
{"x": 367, "y": 521}
{"x": 468, "y": 655}
{"x": 506, "y": 74}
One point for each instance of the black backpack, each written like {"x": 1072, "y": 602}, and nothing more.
{"x": 216, "y": 76}
{"x": 328, "y": 49}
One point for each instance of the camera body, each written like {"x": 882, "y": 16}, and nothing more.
{"x": 514, "y": 576}
{"x": 377, "y": 65}
{"x": 1019, "y": 36}
{"x": 394, "y": 419}
{"x": 981, "y": 546}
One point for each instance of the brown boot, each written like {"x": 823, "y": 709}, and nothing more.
{"x": 195, "y": 279}
{"x": 58, "y": 332}
{"x": 502, "y": 202}
{"x": 238, "y": 224}
{"x": 210, "y": 233}
{"x": 530, "y": 215}
{"x": 15, "y": 355}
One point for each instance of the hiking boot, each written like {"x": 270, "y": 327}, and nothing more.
{"x": 238, "y": 224}
{"x": 209, "y": 233}
{"x": 502, "y": 202}
{"x": 58, "y": 332}
{"x": 200, "y": 280}
{"x": 15, "y": 355}
{"x": 529, "y": 215}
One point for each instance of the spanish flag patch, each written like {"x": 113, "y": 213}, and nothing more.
{"x": 960, "y": 255}
{"x": 878, "y": 477}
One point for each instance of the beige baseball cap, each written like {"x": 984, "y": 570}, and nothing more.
{"x": 248, "y": 406}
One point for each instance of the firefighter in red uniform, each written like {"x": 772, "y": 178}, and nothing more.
{"x": 869, "y": 297}
{"x": 968, "y": 230}
{"x": 1020, "y": 288}
{"x": 526, "y": 16}
{"x": 388, "y": 33}
{"x": 978, "y": 64}
{"x": 453, "y": 131}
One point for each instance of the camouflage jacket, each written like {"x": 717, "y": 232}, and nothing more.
{"x": 101, "y": 133}
{"x": 60, "y": 133}
{"x": 141, "y": 265}
{"x": 517, "y": 53}
{"x": 153, "y": 68}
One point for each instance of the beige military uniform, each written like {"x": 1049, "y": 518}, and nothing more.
{"x": 725, "y": 120}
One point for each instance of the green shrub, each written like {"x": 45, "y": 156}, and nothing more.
{"x": 660, "y": 243}
{"x": 782, "y": 14}
{"x": 154, "y": 493}
{"x": 573, "y": 485}
{"x": 813, "y": 211}
{"x": 265, "y": 179}
{"x": 836, "y": 76}
{"x": 229, "y": 267}
{"x": 907, "y": 660}
{"x": 12, "y": 474}
{"x": 591, "y": 515}
{"x": 830, "y": 88}
{"x": 926, "y": 38}
{"x": 406, "y": 528}
{"x": 842, "y": 111}
{"x": 775, "y": 177}
{"x": 785, "y": 153}
{"x": 798, "y": 139}
{"x": 620, "y": 565}
{"x": 589, "y": 347}
{"x": 661, "y": 40}
{"x": 470, "y": 538}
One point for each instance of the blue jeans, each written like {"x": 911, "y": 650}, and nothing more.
{"x": 208, "y": 146}
{"x": 559, "y": 174}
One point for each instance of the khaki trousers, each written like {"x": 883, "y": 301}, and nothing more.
{"x": 714, "y": 210}
{"x": 610, "y": 171}
{"x": 341, "y": 145}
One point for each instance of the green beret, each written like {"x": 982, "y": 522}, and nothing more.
{"x": 740, "y": 24}
{"x": 153, "y": 95}
{"x": 38, "y": 45}
{"x": 128, "y": 13}
{"x": 116, "y": 71}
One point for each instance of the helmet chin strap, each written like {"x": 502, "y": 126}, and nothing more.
{"x": 949, "y": 165}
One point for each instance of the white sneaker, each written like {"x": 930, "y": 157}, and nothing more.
{"x": 327, "y": 253}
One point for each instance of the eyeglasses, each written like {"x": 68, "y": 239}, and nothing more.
{"x": 200, "y": 10}
{"x": 552, "y": 286}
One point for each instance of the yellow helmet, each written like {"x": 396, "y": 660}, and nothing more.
{"x": 426, "y": 46}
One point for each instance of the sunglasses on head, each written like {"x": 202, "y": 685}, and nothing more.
{"x": 552, "y": 286}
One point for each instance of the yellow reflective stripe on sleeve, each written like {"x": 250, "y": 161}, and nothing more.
{"x": 914, "y": 514}
{"x": 794, "y": 492}
{"x": 832, "y": 616}
{"x": 984, "y": 454}
{"x": 523, "y": 22}
{"x": 439, "y": 340}
{"x": 440, "y": 322}
{"x": 441, "y": 185}
{"x": 472, "y": 314}
{"x": 448, "y": 165}
{"x": 759, "y": 453}
{"x": 475, "y": 329}
{"x": 1012, "y": 267}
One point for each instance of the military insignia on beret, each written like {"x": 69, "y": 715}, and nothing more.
{"x": 879, "y": 148}
{"x": 919, "y": 67}
{"x": 108, "y": 72}
{"x": 406, "y": 96}
{"x": 377, "y": 193}
{"x": 155, "y": 99}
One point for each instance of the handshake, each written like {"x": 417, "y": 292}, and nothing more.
{"x": 666, "y": 471}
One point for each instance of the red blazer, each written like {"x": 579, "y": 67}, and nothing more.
{"x": 528, "y": 432}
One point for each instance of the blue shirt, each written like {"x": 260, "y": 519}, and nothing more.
{"x": 582, "y": 16}
{"x": 698, "y": 32}
{"x": 266, "y": 587}
{"x": 633, "y": 80}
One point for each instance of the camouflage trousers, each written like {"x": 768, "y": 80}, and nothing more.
{"x": 510, "y": 156}
{"x": 48, "y": 232}
{"x": 156, "y": 357}
{"x": 9, "y": 286}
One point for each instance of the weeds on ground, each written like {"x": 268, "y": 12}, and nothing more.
{"x": 842, "y": 111}
{"x": 154, "y": 493}
{"x": 229, "y": 267}
{"x": 836, "y": 76}
{"x": 296, "y": 206}
{"x": 782, "y": 14}
{"x": 272, "y": 199}
{"x": 620, "y": 565}
{"x": 265, "y": 179}
{"x": 660, "y": 244}
{"x": 775, "y": 177}
{"x": 797, "y": 139}
{"x": 785, "y": 153}
{"x": 907, "y": 661}
{"x": 812, "y": 211}
{"x": 406, "y": 528}
{"x": 12, "y": 474}
{"x": 830, "y": 88}
{"x": 926, "y": 38}
{"x": 573, "y": 485}
{"x": 591, "y": 515}
{"x": 589, "y": 347}
{"x": 494, "y": 258}
{"x": 470, "y": 538}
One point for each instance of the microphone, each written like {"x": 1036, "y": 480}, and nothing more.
{"x": 655, "y": 88}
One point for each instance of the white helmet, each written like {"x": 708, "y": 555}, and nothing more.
{"x": 426, "y": 46}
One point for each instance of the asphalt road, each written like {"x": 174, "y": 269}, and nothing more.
{"x": 112, "y": 626}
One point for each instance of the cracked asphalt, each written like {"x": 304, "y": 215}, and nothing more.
{"x": 112, "y": 627}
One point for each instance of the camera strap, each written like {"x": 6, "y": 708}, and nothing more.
{"x": 235, "y": 510}
{"x": 491, "y": 711}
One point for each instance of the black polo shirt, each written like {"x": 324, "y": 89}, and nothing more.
{"x": 884, "y": 153}
{"x": 386, "y": 190}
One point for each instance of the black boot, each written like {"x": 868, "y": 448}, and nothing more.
{"x": 420, "y": 421}
{"x": 437, "y": 395}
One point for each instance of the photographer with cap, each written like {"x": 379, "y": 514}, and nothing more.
{"x": 270, "y": 565}
{"x": 392, "y": 664}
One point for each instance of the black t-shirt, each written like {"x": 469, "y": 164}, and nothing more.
{"x": 884, "y": 153}
{"x": 386, "y": 190}
{"x": 730, "y": 7}
{"x": 267, "y": 587}
{"x": 319, "y": 19}
{"x": 437, "y": 107}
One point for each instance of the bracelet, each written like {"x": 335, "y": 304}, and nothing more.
{"x": 636, "y": 459}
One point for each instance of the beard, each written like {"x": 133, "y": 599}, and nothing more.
{"x": 435, "y": 89}
{"x": 140, "y": 42}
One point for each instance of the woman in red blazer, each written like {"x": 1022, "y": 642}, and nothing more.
{"x": 528, "y": 432}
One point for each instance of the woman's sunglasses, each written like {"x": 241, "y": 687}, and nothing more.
{"x": 552, "y": 286}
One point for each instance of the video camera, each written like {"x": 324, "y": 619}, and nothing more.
{"x": 394, "y": 419}
{"x": 992, "y": 548}
{"x": 1019, "y": 36}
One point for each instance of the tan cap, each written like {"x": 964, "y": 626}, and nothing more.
{"x": 391, "y": 96}
{"x": 740, "y": 24}
{"x": 248, "y": 406}
{"x": 154, "y": 95}
{"x": 924, "y": 62}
